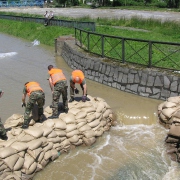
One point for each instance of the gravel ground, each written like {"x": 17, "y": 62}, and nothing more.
{"x": 95, "y": 13}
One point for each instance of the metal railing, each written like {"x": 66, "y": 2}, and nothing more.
{"x": 56, "y": 22}
{"x": 21, "y": 3}
{"x": 157, "y": 54}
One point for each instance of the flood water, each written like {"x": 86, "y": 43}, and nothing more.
{"x": 132, "y": 150}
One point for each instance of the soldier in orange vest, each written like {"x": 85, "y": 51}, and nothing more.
{"x": 36, "y": 95}
{"x": 58, "y": 85}
{"x": 78, "y": 77}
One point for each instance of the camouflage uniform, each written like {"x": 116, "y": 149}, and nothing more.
{"x": 35, "y": 97}
{"x": 59, "y": 88}
{"x": 2, "y": 129}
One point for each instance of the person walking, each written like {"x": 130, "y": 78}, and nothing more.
{"x": 46, "y": 20}
{"x": 79, "y": 78}
{"x": 36, "y": 95}
{"x": 3, "y": 135}
{"x": 58, "y": 85}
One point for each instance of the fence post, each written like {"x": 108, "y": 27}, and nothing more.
{"x": 80, "y": 38}
{"x": 88, "y": 42}
{"x": 123, "y": 51}
{"x": 102, "y": 45}
{"x": 150, "y": 54}
{"x": 55, "y": 40}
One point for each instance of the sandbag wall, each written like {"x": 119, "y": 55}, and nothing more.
{"x": 169, "y": 116}
{"x": 29, "y": 151}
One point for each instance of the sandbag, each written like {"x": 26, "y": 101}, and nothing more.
{"x": 79, "y": 125}
{"x": 59, "y": 124}
{"x": 47, "y": 155}
{"x": 18, "y": 164}
{"x": 31, "y": 169}
{"x": 48, "y": 147}
{"x": 65, "y": 143}
{"x": 72, "y": 133}
{"x": 106, "y": 113}
{"x": 28, "y": 161}
{"x": 34, "y": 131}
{"x": 60, "y": 133}
{"x": 54, "y": 154}
{"x": 74, "y": 139}
{"x": 81, "y": 115}
{"x": 91, "y": 118}
{"x": 34, "y": 144}
{"x": 100, "y": 107}
{"x": 168, "y": 112}
{"x": 16, "y": 131}
{"x": 40, "y": 156}
{"x": 68, "y": 118}
{"x": 84, "y": 128}
{"x": 89, "y": 134}
{"x": 52, "y": 135}
{"x": 55, "y": 139}
{"x": 70, "y": 127}
{"x": 174, "y": 99}
{"x": 94, "y": 123}
{"x": 19, "y": 146}
{"x": 89, "y": 141}
{"x": 34, "y": 153}
{"x": 49, "y": 123}
{"x": 6, "y": 152}
{"x": 88, "y": 109}
{"x": 48, "y": 110}
{"x": 80, "y": 141}
{"x": 74, "y": 111}
{"x": 99, "y": 132}
{"x": 168, "y": 105}
{"x": 46, "y": 130}
{"x": 26, "y": 138}
{"x": 80, "y": 120}
{"x": 177, "y": 114}
{"x": 10, "y": 161}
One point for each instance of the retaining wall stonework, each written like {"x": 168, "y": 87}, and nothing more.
{"x": 144, "y": 82}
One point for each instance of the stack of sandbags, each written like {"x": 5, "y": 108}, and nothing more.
{"x": 169, "y": 116}
{"x": 29, "y": 151}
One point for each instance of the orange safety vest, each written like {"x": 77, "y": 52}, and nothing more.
{"x": 56, "y": 75}
{"x": 32, "y": 86}
{"x": 78, "y": 73}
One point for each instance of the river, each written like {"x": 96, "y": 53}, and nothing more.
{"x": 132, "y": 150}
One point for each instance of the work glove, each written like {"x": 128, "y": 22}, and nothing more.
{"x": 23, "y": 104}
{"x": 83, "y": 98}
{"x": 76, "y": 91}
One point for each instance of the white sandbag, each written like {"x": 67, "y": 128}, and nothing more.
{"x": 63, "y": 138}
{"x": 18, "y": 164}
{"x": 163, "y": 117}
{"x": 52, "y": 135}
{"x": 38, "y": 168}
{"x": 40, "y": 157}
{"x": 26, "y": 138}
{"x": 89, "y": 134}
{"x": 10, "y": 161}
{"x": 107, "y": 127}
{"x": 56, "y": 145}
{"x": 44, "y": 141}
{"x": 80, "y": 141}
{"x": 49, "y": 123}
{"x": 44, "y": 162}
{"x": 55, "y": 139}
{"x": 28, "y": 161}
{"x": 31, "y": 169}
{"x": 21, "y": 154}
{"x": 169, "y": 105}
{"x": 81, "y": 115}
{"x": 106, "y": 113}
{"x": 54, "y": 154}
{"x": 60, "y": 133}
{"x": 14, "y": 120}
{"x": 68, "y": 118}
{"x": 34, "y": 131}
{"x": 3, "y": 167}
{"x": 97, "y": 114}
{"x": 8, "y": 143}
{"x": 74, "y": 139}
{"x": 89, "y": 141}
{"x": 100, "y": 107}
{"x": 177, "y": 114}
{"x": 91, "y": 118}
{"x": 174, "y": 99}
{"x": 103, "y": 122}
{"x": 84, "y": 128}
{"x": 19, "y": 146}
{"x": 70, "y": 127}
{"x": 34, "y": 153}
{"x": 46, "y": 130}
{"x": 97, "y": 127}
{"x": 79, "y": 125}
{"x": 12, "y": 177}
{"x": 48, "y": 110}
{"x": 16, "y": 131}
{"x": 88, "y": 109}
{"x": 99, "y": 132}
{"x": 34, "y": 144}
{"x": 47, "y": 155}
{"x": 65, "y": 143}
{"x": 80, "y": 120}
{"x": 94, "y": 123}
{"x": 168, "y": 112}
{"x": 103, "y": 110}
{"x": 6, "y": 152}
{"x": 48, "y": 147}
{"x": 59, "y": 124}
{"x": 74, "y": 111}
{"x": 72, "y": 133}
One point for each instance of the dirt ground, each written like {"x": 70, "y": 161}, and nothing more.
{"x": 95, "y": 13}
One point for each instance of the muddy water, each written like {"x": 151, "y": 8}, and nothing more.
{"x": 134, "y": 149}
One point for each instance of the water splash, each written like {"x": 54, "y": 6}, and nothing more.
{"x": 36, "y": 42}
{"x": 3, "y": 55}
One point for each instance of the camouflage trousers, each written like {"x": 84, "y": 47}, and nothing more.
{"x": 37, "y": 97}
{"x": 59, "y": 88}
{"x": 72, "y": 89}
{"x": 2, "y": 129}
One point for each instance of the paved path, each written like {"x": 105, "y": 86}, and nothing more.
{"x": 95, "y": 13}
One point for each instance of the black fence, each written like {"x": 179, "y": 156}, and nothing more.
{"x": 164, "y": 55}
{"x": 90, "y": 26}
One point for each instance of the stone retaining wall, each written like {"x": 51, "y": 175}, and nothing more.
{"x": 144, "y": 82}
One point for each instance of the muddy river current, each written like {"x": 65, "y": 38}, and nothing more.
{"x": 132, "y": 150}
